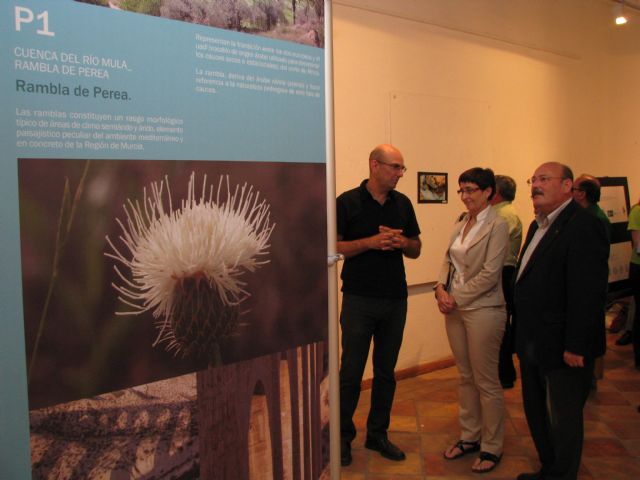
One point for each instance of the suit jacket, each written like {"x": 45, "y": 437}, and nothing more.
{"x": 482, "y": 264}
{"x": 559, "y": 297}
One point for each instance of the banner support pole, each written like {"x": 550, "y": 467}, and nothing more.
{"x": 334, "y": 384}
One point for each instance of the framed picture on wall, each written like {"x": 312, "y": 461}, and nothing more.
{"x": 433, "y": 187}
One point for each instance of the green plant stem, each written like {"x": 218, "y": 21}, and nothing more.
{"x": 62, "y": 235}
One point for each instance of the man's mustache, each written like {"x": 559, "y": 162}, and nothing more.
{"x": 536, "y": 191}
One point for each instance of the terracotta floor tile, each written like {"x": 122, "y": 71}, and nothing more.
{"x": 627, "y": 430}
{"x": 622, "y": 378}
{"x": 437, "y": 443}
{"x": 410, "y": 466}
{"x": 590, "y": 412}
{"x": 603, "y": 397}
{"x": 434, "y": 464}
{"x": 360, "y": 421}
{"x": 442, "y": 385}
{"x": 519, "y": 445}
{"x": 408, "y": 395}
{"x": 632, "y": 446}
{"x": 346, "y": 474}
{"x": 407, "y": 442}
{"x": 444, "y": 396}
{"x": 360, "y": 460}
{"x": 424, "y": 423}
{"x": 445, "y": 373}
{"x": 430, "y": 409}
{"x": 362, "y": 409}
{"x": 439, "y": 425}
{"x": 513, "y": 465}
{"x": 395, "y": 477}
{"x": 632, "y": 384}
{"x": 415, "y": 382}
{"x": 404, "y": 388}
{"x": 616, "y": 412}
{"x": 632, "y": 397}
{"x": 515, "y": 410}
{"x": 403, "y": 424}
{"x": 513, "y": 395}
{"x": 520, "y": 425}
{"x": 613, "y": 468}
{"x": 403, "y": 407}
{"x": 594, "y": 428}
{"x": 605, "y": 385}
{"x": 604, "y": 447}
{"x": 509, "y": 428}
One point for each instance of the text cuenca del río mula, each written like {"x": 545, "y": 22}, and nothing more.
{"x": 53, "y": 88}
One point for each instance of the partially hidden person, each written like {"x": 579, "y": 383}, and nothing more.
{"x": 502, "y": 202}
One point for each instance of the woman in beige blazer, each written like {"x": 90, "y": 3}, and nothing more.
{"x": 469, "y": 293}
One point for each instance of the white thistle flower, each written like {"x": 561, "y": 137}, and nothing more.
{"x": 186, "y": 264}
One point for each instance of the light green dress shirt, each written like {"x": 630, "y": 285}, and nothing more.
{"x": 507, "y": 211}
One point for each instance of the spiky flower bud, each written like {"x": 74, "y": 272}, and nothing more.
{"x": 185, "y": 265}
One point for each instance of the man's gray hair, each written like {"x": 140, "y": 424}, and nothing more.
{"x": 506, "y": 186}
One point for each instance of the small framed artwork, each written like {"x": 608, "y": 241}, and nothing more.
{"x": 433, "y": 187}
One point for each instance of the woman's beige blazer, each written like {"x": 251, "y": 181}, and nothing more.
{"x": 483, "y": 263}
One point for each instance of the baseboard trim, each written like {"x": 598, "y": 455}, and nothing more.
{"x": 416, "y": 370}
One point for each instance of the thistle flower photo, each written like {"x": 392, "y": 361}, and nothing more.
{"x": 200, "y": 268}
{"x": 186, "y": 265}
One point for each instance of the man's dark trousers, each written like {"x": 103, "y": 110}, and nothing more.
{"x": 550, "y": 395}
{"x": 506, "y": 370}
{"x": 361, "y": 319}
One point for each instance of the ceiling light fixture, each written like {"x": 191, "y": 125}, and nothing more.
{"x": 618, "y": 9}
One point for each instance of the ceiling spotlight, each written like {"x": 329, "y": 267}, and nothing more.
{"x": 618, "y": 9}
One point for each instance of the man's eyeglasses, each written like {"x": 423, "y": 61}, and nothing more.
{"x": 468, "y": 191}
{"x": 541, "y": 179}
{"x": 396, "y": 166}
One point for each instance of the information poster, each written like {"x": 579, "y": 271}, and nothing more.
{"x": 163, "y": 225}
{"x": 614, "y": 202}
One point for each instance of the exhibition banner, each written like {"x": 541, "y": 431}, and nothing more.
{"x": 163, "y": 223}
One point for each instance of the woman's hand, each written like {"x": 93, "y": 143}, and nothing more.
{"x": 446, "y": 302}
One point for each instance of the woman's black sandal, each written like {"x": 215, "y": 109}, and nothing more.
{"x": 488, "y": 457}
{"x": 464, "y": 447}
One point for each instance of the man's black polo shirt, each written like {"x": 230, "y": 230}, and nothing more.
{"x": 374, "y": 273}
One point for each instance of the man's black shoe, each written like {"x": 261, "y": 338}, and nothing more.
{"x": 530, "y": 476}
{"x": 387, "y": 449}
{"x": 345, "y": 453}
{"x": 625, "y": 339}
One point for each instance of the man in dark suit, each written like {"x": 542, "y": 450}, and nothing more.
{"x": 559, "y": 299}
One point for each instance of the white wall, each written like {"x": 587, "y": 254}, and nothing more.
{"x": 622, "y": 120}
{"x": 562, "y": 85}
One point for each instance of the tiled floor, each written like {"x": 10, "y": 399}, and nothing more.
{"x": 424, "y": 422}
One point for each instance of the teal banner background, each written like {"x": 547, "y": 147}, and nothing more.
{"x": 119, "y": 85}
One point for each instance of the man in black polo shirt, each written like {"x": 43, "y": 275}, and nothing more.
{"x": 376, "y": 227}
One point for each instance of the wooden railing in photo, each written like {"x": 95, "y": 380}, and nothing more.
{"x": 264, "y": 418}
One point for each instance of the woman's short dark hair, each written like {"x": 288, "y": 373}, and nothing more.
{"x": 483, "y": 177}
